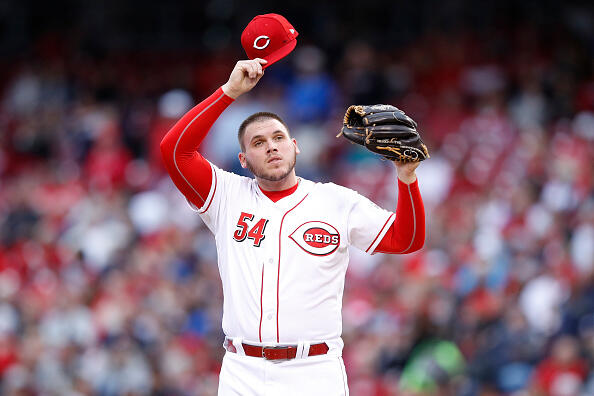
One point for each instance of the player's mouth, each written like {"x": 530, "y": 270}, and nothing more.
{"x": 274, "y": 159}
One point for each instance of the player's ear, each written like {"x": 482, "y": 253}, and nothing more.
{"x": 296, "y": 146}
{"x": 241, "y": 157}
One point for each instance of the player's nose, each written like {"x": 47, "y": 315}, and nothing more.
{"x": 272, "y": 146}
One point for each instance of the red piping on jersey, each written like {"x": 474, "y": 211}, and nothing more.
{"x": 213, "y": 191}
{"x": 261, "y": 293}
{"x": 379, "y": 233}
{"x": 279, "y": 256}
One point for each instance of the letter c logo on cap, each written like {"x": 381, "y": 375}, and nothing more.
{"x": 266, "y": 42}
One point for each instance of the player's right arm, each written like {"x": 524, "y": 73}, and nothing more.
{"x": 188, "y": 169}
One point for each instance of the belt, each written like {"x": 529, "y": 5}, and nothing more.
{"x": 281, "y": 352}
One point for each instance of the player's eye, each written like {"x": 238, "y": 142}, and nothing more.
{"x": 279, "y": 137}
{"x": 258, "y": 143}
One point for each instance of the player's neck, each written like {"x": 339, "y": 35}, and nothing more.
{"x": 283, "y": 184}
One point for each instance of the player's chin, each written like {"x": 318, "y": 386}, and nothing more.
{"x": 277, "y": 173}
{"x": 277, "y": 167}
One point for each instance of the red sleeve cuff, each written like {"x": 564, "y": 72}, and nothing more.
{"x": 225, "y": 99}
{"x": 414, "y": 186}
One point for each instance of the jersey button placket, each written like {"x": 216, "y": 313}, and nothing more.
{"x": 270, "y": 313}
{"x": 269, "y": 301}
{"x": 269, "y": 263}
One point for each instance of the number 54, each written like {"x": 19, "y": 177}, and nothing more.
{"x": 256, "y": 233}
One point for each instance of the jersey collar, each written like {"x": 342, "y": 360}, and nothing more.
{"x": 303, "y": 187}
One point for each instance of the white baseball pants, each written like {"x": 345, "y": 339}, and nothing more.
{"x": 322, "y": 375}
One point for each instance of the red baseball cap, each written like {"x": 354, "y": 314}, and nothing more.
{"x": 270, "y": 37}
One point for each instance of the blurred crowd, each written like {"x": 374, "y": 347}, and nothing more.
{"x": 108, "y": 280}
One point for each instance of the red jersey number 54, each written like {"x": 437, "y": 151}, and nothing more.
{"x": 256, "y": 232}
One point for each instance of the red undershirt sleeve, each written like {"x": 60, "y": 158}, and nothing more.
{"x": 407, "y": 233}
{"x": 189, "y": 170}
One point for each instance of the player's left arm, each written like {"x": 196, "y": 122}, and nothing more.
{"x": 407, "y": 233}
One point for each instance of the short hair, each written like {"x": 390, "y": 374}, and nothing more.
{"x": 257, "y": 117}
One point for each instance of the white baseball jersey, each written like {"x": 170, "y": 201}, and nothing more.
{"x": 283, "y": 263}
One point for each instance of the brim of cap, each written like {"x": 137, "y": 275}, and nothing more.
{"x": 280, "y": 53}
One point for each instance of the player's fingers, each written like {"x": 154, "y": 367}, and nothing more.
{"x": 252, "y": 72}
{"x": 257, "y": 66}
{"x": 259, "y": 69}
{"x": 243, "y": 67}
{"x": 261, "y": 61}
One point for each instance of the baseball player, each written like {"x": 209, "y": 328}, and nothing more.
{"x": 282, "y": 244}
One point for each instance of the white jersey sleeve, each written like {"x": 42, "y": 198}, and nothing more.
{"x": 367, "y": 223}
{"x": 225, "y": 186}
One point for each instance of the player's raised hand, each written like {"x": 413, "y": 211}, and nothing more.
{"x": 406, "y": 171}
{"x": 244, "y": 77}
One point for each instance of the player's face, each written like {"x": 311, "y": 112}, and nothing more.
{"x": 270, "y": 153}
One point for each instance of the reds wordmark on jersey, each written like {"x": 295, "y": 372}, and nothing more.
{"x": 316, "y": 237}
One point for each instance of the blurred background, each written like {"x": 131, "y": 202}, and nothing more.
{"x": 108, "y": 281}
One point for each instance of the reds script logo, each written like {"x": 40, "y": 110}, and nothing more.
{"x": 316, "y": 237}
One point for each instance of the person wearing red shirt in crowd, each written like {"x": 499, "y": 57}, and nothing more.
{"x": 563, "y": 373}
